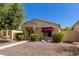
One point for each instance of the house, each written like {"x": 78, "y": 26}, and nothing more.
{"x": 44, "y": 28}
{"x": 72, "y": 35}
{"x": 10, "y": 34}
{"x": 75, "y": 27}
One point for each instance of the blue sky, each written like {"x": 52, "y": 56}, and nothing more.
{"x": 64, "y": 14}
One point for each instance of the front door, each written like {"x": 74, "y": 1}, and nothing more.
{"x": 29, "y": 31}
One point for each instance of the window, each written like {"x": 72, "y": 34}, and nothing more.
{"x": 44, "y": 34}
{"x": 47, "y": 34}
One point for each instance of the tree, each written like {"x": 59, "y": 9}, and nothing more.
{"x": 16, "y": 16}
{"x": 11, "y": 16}
{"x": 3, "y": 12}
{"x": 66, "y": 29}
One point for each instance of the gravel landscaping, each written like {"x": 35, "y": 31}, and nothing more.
{"x": 42, "y": 49}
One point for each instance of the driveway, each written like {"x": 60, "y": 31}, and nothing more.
{"x": 41, "y": 49}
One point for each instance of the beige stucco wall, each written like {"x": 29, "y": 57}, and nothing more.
{"x": 76, "y": 27}
{"x": 39, "y": 25}
{"x": 14, "y": 32}
{"x": 71, "y": 36}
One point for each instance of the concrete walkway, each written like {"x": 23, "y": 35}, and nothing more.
{"x": 2, "y": 55}
{"x": 10, "y": 45}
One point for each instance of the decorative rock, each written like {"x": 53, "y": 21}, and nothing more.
{"x": 48, "y": 41}
{"x": 43, "y": 41}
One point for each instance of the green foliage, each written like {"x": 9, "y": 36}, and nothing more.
{"x": 11, "y": 15}
{"x": 57, "y": 36}
{"x": 35, "y": 37}
{"x": 66, "y": 29}
{"x": 19, "y": 36}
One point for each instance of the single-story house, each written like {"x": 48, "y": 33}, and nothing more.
{"x": 75, "y": 27}
{"x": 44, "y": 28}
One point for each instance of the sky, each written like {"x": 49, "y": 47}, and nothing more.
{"x": 65, "y": 14}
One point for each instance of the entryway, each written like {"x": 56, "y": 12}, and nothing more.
{"x": 47, "y": 33}
{"x": 29, "y": 31}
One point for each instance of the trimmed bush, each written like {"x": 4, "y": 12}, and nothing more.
{"x": 57, "y": 37}
{"x": 35, "y": 37}
{"x": 19, "y": 36}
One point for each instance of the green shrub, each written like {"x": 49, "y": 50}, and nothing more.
{"x": 35, "y": 37}
{"x": 19, "y": 36}
{"x": 57, "y": 36}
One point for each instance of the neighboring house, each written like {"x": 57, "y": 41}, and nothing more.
{"x": 76, "y": 26}
{"x": 72, "y": 35}
{"x": 14, "y": 32}
{"x": 44, "y": 28}
{"x": 10, "y": 34}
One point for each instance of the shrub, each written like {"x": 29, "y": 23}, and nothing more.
{"x": 57, "y": 36}
{"x": 35, "y": 37}
{"x": 19, "y": 36}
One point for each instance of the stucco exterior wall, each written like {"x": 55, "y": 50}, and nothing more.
{"x": 71, "y": 36}
{"x": 39, "y": 25}
{"x": 14, "y": 32}
{"x": 76, "y": 27}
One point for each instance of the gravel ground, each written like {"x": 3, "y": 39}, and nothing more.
{"x": 42, "y": 49}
